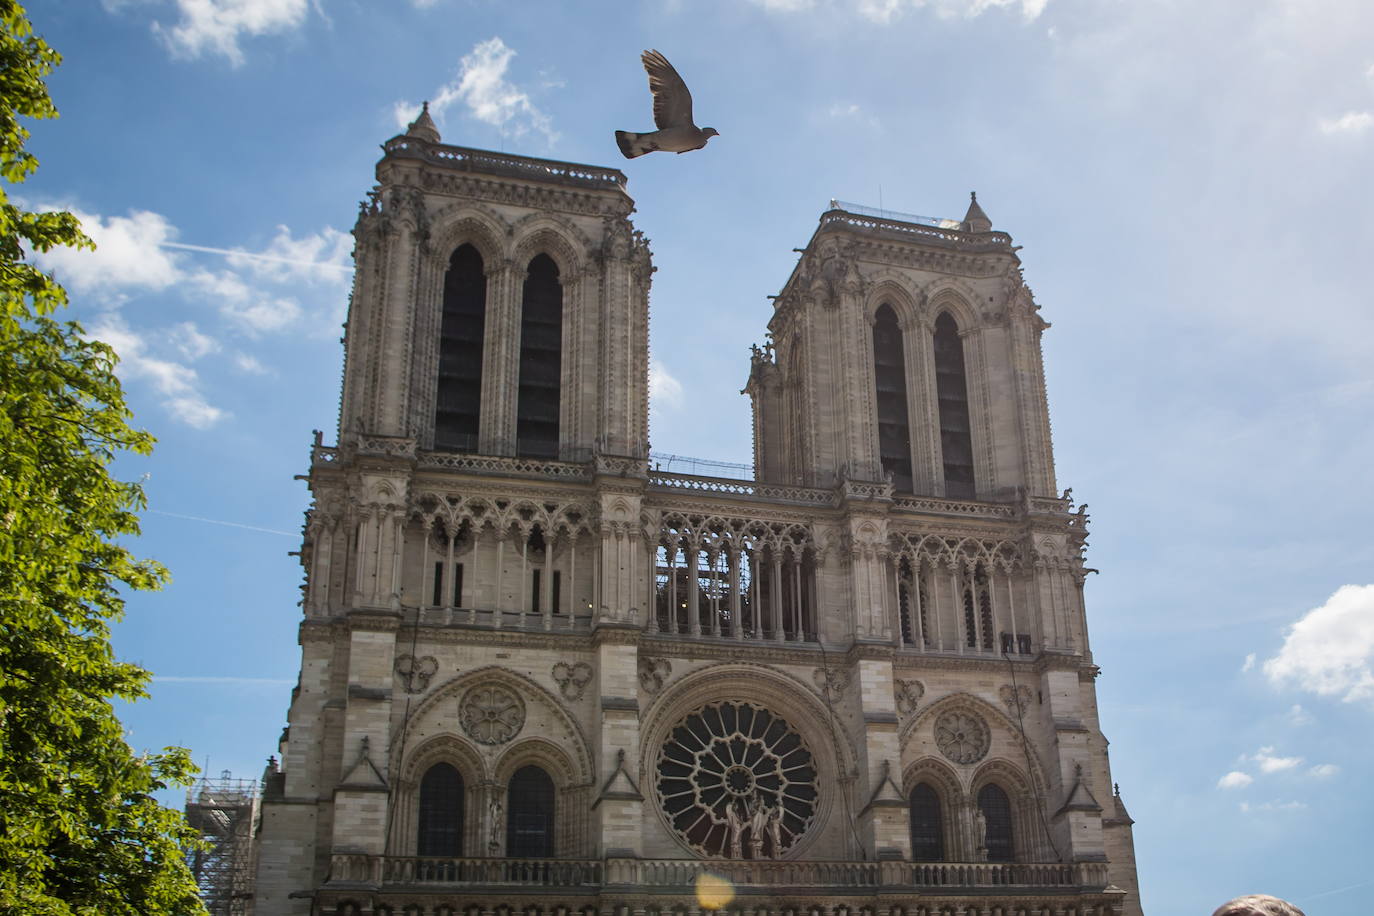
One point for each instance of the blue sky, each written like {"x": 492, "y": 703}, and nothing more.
{"x": 1190, "y": 182}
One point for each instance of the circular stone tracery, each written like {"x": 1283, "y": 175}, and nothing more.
{"x": 735, "y": 780}
{"x": 962, "y": 736}
{"x": 492, "y": 714}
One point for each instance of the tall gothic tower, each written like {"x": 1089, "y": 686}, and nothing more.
{"x": 539, "y": 676}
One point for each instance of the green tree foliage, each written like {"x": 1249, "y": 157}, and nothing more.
{"x": 80, "y": 830}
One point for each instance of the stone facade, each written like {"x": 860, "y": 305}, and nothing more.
{"x": 858, "y": 684}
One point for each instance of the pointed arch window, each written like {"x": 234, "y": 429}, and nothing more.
{"x": 529, "y": 814}
{"x": 927, "y": 825}
{"x": 951, "y": 386}
{"x": 441, "y": 812}
{"x": 996, "y": 808}
{"x": 889, "y": 377}
{"x": 462, "y": 331}
{"x": 541, "y": 361}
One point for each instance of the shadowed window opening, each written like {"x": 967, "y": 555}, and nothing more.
{"x": 541, "y": 361}
{"x": 889, "y": 376}
{"x": 927, "y": 825}
{"x": 459, "y": 396}
{"x": 441, "y": 812}
{"x": 951, "y": 385}
{"x": 996, "y": 808}
{"x": 529, "y": 815}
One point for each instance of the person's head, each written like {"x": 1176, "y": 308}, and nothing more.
{"x": 1258, "y": 905}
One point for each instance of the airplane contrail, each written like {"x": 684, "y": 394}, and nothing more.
{"x": 234, "y": 252}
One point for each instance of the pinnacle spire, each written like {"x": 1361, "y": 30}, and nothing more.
{"x": 975, "y": 220}
{"x": 423, "y": 126}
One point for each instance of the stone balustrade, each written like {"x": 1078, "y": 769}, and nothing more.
{"x": 672, "y": 875}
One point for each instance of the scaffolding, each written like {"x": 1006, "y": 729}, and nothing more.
{"x": 224, "y": 812}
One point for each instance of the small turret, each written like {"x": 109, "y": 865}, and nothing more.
{"x": 423, "y": 127}
{"x": 975, "y": 220}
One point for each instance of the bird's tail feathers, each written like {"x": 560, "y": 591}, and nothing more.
{"x": 626, "y": 141}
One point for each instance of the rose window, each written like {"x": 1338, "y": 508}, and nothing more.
{"x": 737, "y": 781}
{"x": 962, "y": 736}
{"x": 492, "y": 714}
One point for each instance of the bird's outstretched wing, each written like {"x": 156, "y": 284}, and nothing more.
{"x": 672, "y": 101}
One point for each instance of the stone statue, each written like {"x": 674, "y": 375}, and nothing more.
{"x": 758, "y": 826}
{"x": 495, "y": 813}
{"x": 980, "y": 832}
{"x": 775, "y": 829}
{"x": 735, "y": 823}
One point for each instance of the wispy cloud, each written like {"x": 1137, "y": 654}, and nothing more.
{"x": 482, "y": 88}
{"x": 1330, "y": 650}
{"x": 253, "y": 292}
{"x": 177, "y": 383}
{"x": 1249, "y": 663}
{"x": 1352, "y": 122}
{"x": 1249, "y": 808}
{"x": 1235, "y": 780}
{"x": 664, "y": 389}
{"x": 1324, "y": 770}
{"x": 1269, "y": 762}
{"x": 216, "y": 26}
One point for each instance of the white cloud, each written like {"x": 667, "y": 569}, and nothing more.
{"x": 250, "y": 364}
{"x": 261, "y": 315}
{"x": 128, "y": 254}
{"x": 1352, "y": 122}
{"x": 1248, "y": 808}
{"x": 318, "y": 257}
{"x": 481, "y": 85}
{"x": 1235, "y": 780}
{"x": 215, "y": 26}
{"x": 885, "y": 11}
{"x": 1249, "y": 663}
{"x": 1299, "y": 716}
{"x": 663, "y": 387}
{"x": 177, "y": 383}
{"x": 191, "y": 342}
{"x": 1324, "y": 770}
{"x": 1269, "y": 762}
{"x": 1329, "y": 651}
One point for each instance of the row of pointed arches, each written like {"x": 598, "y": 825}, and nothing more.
{"x": 462, "y": 346}
{"x": 891, "y": 366}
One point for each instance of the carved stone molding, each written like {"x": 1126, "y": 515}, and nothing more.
{"x": 415, "y": 673}
{"x": 962, "y": 736}
{"x": 491, "y": 714}
{"x": 654, "y": 673}
{"x": 908, "y": 696}
{"x": 831, "y": 682}
{"x": 1016, "y": 699}
{"x": 572, "y": 679}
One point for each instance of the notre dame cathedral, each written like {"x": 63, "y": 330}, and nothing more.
{"x": 542, "y": 677}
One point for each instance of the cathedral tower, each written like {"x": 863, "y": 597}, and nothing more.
{"x": 540, "y": 676}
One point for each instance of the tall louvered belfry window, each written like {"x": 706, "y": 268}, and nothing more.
{"x": 458, "y": 404}
{"x": 951, "y": 385}
{"x": 927, "y": 827}
{"x": 529, "y": 814}
{"x": 889, "y": 376}
{"x": 996, "y": 808}
{"x": 541, "y": 361}
{"x": 441, "y": 812}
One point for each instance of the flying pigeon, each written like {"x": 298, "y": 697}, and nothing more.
{"x": 672, "y": 113}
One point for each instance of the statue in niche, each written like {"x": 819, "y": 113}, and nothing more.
{"x": 980, "y": 833}
{"x": 735, "y": 823}
{"x": 495, "y": 812}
